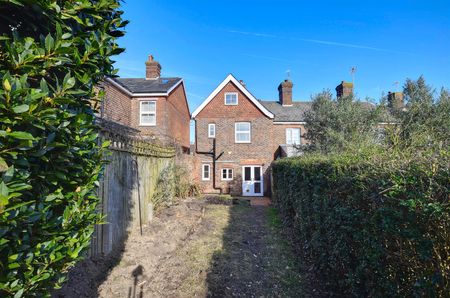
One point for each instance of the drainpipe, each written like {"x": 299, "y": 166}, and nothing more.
{"x": 212, "y": 153}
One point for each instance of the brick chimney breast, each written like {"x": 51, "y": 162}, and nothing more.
{"x": 152, "y": 68}
{"x": 285, "y": 92}
{"x": 344, "y": 89}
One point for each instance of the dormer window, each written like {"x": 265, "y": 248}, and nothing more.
{"x": 231, "y": 98}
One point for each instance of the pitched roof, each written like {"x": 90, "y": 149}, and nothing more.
{"x": 231, "y": 78}
{"x": 294, "y": 113}
{"x": 141, "y": 85}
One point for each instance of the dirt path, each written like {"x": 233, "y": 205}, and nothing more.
{"x": 197, "y": 249}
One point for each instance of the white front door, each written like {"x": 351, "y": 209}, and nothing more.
{"x": 252, "y": 181}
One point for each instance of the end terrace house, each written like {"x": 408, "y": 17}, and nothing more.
{"x": 238, "y": 136}
{"x": 155, "y": 106}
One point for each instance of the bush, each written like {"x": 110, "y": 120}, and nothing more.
{"x": 52, "y": 54}
{"x": 371, "y": 226}
{"x": 342, "y": 124}
{"x": 173, "y": 183}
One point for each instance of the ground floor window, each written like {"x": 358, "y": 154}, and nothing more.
{"x": 206, "y": 172}
{"x": 227, "y": 174}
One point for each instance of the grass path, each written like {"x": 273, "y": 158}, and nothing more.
{"x": 197, "y": 249}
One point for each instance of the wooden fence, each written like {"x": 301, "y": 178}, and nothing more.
{"x": 127, "y": 186}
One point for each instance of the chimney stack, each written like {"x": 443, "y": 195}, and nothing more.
{"x": 396, "y": 101}
{"x": 152, "y": 69}
{"x": 285, "y": 92}
{"x": 344, "y": 89}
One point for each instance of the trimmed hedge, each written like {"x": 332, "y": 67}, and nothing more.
{"x": 370, "y": 226}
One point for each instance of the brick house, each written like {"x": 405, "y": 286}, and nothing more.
{"x": 238, "y": 137}
{"x": 156, "y": 106}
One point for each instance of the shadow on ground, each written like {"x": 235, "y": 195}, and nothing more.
{"x": 255, "y": 260}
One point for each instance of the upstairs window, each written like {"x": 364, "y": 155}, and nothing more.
{"x": 147, "y": 113}
{"x": 242, "y": 132}
{"x": 206, "y": 172}
{"x": 231, "y": 98}
{"x": 293, "y": 136}
{"x": 211, "y": 130}
{"x": 227, "y": 174}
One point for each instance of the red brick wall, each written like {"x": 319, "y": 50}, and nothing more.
{"x": 216, "y": 108}
{"x": 258, "y": 152}
{"x": 116, "y": 105}
{"x": 159, "y": 130}
{"x": 172, "y": 114}
{"x": 279, "y": 133}
{"x": 178, "y": 113}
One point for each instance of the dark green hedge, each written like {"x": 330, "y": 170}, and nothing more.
{"x": 52, "y": 54}
{"x": 372, "y": 226}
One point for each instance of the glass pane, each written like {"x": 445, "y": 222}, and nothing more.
{"x": 224, "y": 173}
{"x": 242, "y": 137}
{"x": 147, "y": 106}
{"x": 230, "y": 173}
{"x": 212, "y": 130}
{"x": 148, "y": 118}
{"x": 243, "y": 126}
{"x": 231, "y": 98}
{"x": 288, "y": 136}
{"x": 247, "y": 174}
{"x": 296, "y": 136}
{"x": 257, "y": 173}
{"x": 206, "y": 171}
{"x": 257, "y": 186}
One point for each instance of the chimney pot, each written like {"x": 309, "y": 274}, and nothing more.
{"x": 152, "y": 68}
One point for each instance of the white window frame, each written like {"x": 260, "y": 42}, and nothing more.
{"x": 289, "y": 135}
{"x": 231, "y": 93}
{"x": 227, "y": 173}
{"x": 149, "y": 113}
{"x": 203, "y": 172}
{"x": 211, "y": 135}
{"x": 249, "y": 132}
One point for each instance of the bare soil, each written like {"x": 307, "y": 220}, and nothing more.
{"x": 199, "y": 248}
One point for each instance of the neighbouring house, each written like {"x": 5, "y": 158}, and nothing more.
{"x": 238, "y": 136}
{"x": 156, "y": 106}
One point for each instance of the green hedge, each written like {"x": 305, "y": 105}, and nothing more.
{"x": 52, "y": 54}
{"x": 370, "y": 226}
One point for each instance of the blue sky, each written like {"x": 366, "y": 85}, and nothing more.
{"x": 317, "y": 41}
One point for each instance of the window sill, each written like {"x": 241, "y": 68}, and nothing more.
{"x": 140, "y": 124}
